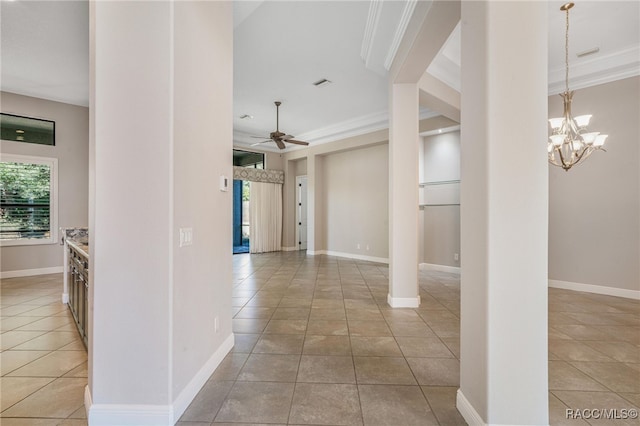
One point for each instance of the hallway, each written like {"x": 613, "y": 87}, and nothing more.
{"x": 317, "y": 344}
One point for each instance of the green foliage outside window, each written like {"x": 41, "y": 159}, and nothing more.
{"x": 25, "y": 195}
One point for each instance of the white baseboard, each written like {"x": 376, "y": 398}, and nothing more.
{"x": 349, "y": 256}
{"x": 468, "y": 412}
{"x": 156, "y": 415}
{"x": 441, "y": 268}
{"x": 65, "y": 298}
{"x": 181, "y": 403}
{"x": 127, "y": 414}
{"x": 31, "y": 272}
{"x": 597, "y": 289}
{"x": 283, "y": 248}
{"x": 403, "y": 302}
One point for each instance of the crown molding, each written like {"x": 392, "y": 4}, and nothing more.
{"x": 407, "y": 12}
{"x": 602, "y": 69}
{"x": 373, "y": 19}
{"x": 354, "y": 127}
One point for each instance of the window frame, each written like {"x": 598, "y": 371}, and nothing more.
{"x": 53, "y": 199}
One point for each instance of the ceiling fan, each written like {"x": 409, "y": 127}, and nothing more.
{"x": 278, "y": 137}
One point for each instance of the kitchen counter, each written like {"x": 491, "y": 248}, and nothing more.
{"x": 80, "y": 246}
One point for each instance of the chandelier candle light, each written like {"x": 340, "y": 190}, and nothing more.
{"x": 570, "y": 143}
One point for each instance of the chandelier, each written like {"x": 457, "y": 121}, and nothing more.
{"x": 570, "y": 143}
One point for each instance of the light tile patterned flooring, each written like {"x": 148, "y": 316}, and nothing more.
{"x": 43, "y": 361}
{"x": 316, "y": 344}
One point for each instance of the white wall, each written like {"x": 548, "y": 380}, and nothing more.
{"x": 72, "y": 152}
{"x": 154, "y": 303}
{"x": 355, "y": 201}
{"x": 441, "y": 224}
{"x": 202, "y": 100}
{"x": 594, "y": 231}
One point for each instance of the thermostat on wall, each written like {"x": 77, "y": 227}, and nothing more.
{"x": 224, "y": 183}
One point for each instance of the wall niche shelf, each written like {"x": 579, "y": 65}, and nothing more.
{"x": 440, "y": 182}
{"x": 422, "y": 206}
{"x": 441, "y": 193}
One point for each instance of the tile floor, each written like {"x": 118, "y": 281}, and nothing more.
{"x": 43, "y": 362}
{"x": 317, "y": 344}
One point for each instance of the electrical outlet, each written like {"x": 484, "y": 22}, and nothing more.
{"x": 186, "y": 236}
{"x": 456, "y": 257}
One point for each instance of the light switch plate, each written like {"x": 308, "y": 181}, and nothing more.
{"x": 224, "y": 183}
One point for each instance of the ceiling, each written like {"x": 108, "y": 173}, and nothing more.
{"x": 282, "y": 47}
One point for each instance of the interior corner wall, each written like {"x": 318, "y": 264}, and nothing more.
{"x": 594, "y": 230}
{"x": 355, "y": 200}
{"x": 274, "y": 160}
{"x": 441, "y": 224}
{"x": 202, "y": 273}
{"x": 154, "y": 301}
{"x": 72, "y": 152}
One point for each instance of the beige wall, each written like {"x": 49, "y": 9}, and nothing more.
{"x": 274, "y": 160}
{"x": 594, "y": 229}
{"x": 72, "y": 152}
{"x": 355, "y": 201}
{"x": 310, "y": 162}
{"x": 301, "y": 167}
{"x": 440, "y": 224}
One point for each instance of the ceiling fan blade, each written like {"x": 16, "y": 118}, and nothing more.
{"x": 287, "y": 137}
{"x": 280, "y": 144}
{"x": 297, "y": 142}
{"x": 260, "y": 137}
{"x": 260, "y": 143}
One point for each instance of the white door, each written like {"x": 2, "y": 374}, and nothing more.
{"x": 301, "y": 212}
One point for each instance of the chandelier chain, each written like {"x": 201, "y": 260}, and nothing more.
{"x": 566, "y": 52}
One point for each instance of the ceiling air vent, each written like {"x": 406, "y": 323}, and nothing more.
{"x": 321, "y": 83}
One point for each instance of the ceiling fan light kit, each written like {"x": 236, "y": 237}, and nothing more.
{"x": 278, "y": 137}
{"x": 570, "y": 143}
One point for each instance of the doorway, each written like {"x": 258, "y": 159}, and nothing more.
{"x": 242, "y": 200}
{"x": 301, "y": 212}
{"x": 241, "y": 230}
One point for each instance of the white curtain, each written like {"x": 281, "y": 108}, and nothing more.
{"x": 265, "y": 217}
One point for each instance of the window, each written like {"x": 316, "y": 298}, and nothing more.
{"x": 28, "y": 200}
{"x": 254, "y": 160}
{"x": 26, "y": 129}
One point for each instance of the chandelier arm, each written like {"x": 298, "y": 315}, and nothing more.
{"x": 564, "y": 165}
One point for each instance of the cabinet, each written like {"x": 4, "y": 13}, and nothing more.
{"x": 78, "y": 287}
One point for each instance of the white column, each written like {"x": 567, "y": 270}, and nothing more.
{"x": 504, "y": 206}
{"x": 160, "y": 317}
{"x": 403, "y": 196}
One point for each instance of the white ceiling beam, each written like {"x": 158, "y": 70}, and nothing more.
{"x": 438, "y": 96}
{"x": 428, "y": 30}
